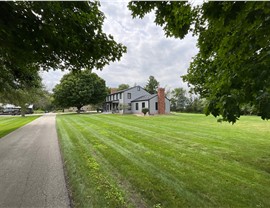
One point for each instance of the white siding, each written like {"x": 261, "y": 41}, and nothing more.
{"x": 167, "y": 106}
{"x": 135, "y": 93}
{"x": 139, "y": 111}
{"x": 152, "y": 102}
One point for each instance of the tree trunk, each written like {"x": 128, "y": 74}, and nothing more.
{"x": 79, "y": 109}
{"x": 23, "y": 110}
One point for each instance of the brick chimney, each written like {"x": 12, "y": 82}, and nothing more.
{"x": 161, "y": 101}
{"x": 113, "y": 90}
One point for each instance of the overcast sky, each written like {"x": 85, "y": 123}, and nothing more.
{"x": 149, "y": 52}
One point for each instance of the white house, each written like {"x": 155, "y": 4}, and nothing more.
{"x": 134, "y": 99}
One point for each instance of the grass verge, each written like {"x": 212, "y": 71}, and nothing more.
{"x": 9, "y": 124}
{"x": 181, "y": 160}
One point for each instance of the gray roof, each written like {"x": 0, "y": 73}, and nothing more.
{"x": 144, "y": 98}
{"x": 125, "y": 90}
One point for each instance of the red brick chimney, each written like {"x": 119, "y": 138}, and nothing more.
{"x": 161, "y": 101}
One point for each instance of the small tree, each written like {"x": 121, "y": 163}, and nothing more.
{"x": 145, "y": 110}
{"x": 123, "y": 107}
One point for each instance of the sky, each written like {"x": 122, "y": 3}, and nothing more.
{"x": 149, "y": 52}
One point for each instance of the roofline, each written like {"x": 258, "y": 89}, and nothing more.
{"x": 155, "y": 95}
{"x": 149, "y": 99}
{"x": 120, "y": 91}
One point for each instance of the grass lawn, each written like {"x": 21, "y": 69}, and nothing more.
{"x": 181, "y": 160}
{"x": 11, "y": 123}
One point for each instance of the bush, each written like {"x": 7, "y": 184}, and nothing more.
{"x": 145, "y": 110}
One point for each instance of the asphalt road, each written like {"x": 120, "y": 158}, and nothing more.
{"x": 31, "y": 170}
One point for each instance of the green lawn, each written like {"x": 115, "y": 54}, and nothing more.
{"x": 181, "y": 160}
{"x": 11, "y": 123}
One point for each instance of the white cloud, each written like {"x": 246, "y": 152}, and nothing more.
{"x": 149, "y": 52}
{"x": 51, "y": 78}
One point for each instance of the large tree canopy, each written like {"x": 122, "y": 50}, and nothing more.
{"x": 79, "y": 88}
{"x": 51, "y": 35}
{"x": 232, "y": 68}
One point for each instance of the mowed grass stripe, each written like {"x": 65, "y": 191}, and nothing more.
{"x": 183, "y": 171}
{"x": 201, "y": 131}
{"x": 185, "y": 144}
{"x": 236, "y": 168}
{"x": 9, "y": 124}
{"x": 224, "y": 145}
{"x": 122, "y": 151}
{"x": 129, "y": 156}
{"x": 90, "y": 186}
{"x": 125, "y": 148}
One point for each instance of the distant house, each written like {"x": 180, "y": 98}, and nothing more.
{"x": 12, "y": 109}
{"x": 134, "y": 99}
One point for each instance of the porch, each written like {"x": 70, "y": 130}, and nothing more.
{"x": 112, "y": 106}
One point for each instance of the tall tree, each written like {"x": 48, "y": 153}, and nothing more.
{"x": 232, "y": 68}
{"x": 179, "y": 99}
{"x": 122, "y": 87}
{"x": 79, "y": 88}
{"x": 152, "y": 85}
{"x": 51, "y": 35}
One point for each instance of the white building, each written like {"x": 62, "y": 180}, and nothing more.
{"x": 134, "y": 99}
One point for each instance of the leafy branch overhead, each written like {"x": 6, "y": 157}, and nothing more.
{"x": 52, "y": 35}
{"x": 65, "y": 35}
{"x": 232, "y": 68}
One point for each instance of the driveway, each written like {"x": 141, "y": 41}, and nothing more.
{"x": 31, "y": 170}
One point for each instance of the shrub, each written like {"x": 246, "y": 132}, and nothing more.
{"x": 145, "y": 110}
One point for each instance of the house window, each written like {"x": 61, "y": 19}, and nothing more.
{"x": 120, "y": 96}
{"x": 156, "y": 105}
{"x": 137, "y": 106}
{"x": 129, "y": 106}
{"x": 129, "y": 95}
{"x": 116, "y": 96}
{"x": 143, "y": 105}
{"x": 138, "y": 88}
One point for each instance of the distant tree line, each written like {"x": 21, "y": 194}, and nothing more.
{"x": 182, "y": 101}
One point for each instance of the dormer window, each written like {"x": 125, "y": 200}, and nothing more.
{"x": 138, "y": 88}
